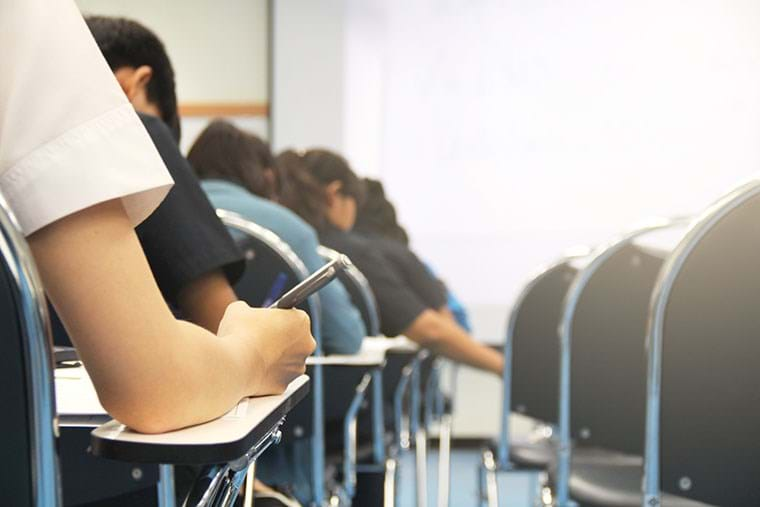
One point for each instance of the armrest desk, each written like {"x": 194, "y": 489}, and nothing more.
{"x": 222, "y": 440}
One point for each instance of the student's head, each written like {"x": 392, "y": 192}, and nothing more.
{"x": 343, "y": 189}
{"x": 140, "y": 63}
{"x": 299, "y": 191}
{"x": 223, "y": 151}
{"x": 377, "y": 215}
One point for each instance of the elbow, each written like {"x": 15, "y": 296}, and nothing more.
{"x": 427, "y": 330}
{"x": 139, "y": 415}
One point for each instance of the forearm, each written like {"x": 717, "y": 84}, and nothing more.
{"x": 439, "y": 334}
{"x": 185, "y": 378}
{"x": 151, "y": 371}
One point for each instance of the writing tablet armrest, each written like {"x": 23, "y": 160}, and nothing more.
{"x": 369, "y": 355}
{"x": 399, "y": 344}
{"x": 222, "y": 440}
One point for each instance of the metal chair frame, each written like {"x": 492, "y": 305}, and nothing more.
{"x": 38, "y": 359}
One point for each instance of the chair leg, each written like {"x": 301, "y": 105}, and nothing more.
{"x": 166, "y": 492}
{"x": 420, "y": 453}
{"x": 444, "y": 461}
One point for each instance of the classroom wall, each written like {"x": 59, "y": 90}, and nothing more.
{"x": 508, "y": 131}
{"x": 307, "y": 73}
{"x": 219, "y": 51}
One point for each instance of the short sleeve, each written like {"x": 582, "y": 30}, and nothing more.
{"x": 69, "y": 139}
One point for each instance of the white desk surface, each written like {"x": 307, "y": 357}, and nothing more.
{"x": 76, "y": 400}
{"x": 235, "y": 425}
{"x": 372, "y": 353}
{"x": 397, "y": 344}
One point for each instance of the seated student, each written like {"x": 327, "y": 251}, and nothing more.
{"x": 79, "y": 172}
{"x": 403, "y": 310}
{"x": 190, "y": 252}
{"x": 237, "y": 174}
{"x": 376, "y": 219}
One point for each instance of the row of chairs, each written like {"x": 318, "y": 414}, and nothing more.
{"x": 636, "y": 363}
{"x": 362, "y": 466}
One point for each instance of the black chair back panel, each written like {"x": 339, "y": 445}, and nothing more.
{"x": 711, "y": 373}
{"x": 15, "y": 460}
{"x": 355, "y": 291}
{"x": 87, "y": 478}
{"x": 535, "y": 349}
{"x": 265, "y": 268}
{"x": 608, "y": 376}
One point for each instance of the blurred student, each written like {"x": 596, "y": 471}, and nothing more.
{"x": 79, "y": 172}
{"x": 403, "y": 310}
{"x": 376, "y": 220}
{"x": 237, "y": 173}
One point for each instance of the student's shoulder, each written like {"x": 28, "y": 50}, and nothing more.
{"x": 157, "y": 130}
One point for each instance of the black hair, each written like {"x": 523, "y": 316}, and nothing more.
{"x": 327, "y": 167}
{"x": 377, "y": 214}
{"x": 127, "y": 43}
{"x": 299, "y": 191}
{"x": 226, "y": 152}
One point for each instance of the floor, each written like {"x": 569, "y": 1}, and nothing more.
{"x": 515, "y": 490}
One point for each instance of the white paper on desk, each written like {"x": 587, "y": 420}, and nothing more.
{"x": 239, "y": 411}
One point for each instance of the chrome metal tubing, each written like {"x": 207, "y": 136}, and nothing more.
{"x": 38, "y": 360}
{"x": 378, "y": 417}
{"x": 349, "y": 436}
{"x": 420, "y": 454}
{"x": 402, "y": 433}
{"x": 444, "y": 461}
{"x": 166, "y": 493}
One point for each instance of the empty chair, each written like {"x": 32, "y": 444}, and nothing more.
{"x": 704, "y": 344}
{"x": 602, "y": 335}
{"x": 530, "y": 379}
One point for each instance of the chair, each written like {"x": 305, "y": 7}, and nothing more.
{"x": 530, "y": 376}
{"x": 606, "y": 302}
{"x": 271, "y": 262}
{"x": 29, "y": 475}
{"x": 702, "y": 419}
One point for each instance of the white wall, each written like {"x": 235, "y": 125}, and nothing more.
{"x": 219, "y": 50}
{"x": 307, "y": 81}
{"x": 507, "y": 131}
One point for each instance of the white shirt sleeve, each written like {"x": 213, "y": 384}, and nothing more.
{"x": 69, "y": 138}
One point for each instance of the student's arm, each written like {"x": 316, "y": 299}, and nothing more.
{"x": 439, "y": 334}
{"x": 151, "y": 371}
{"x": 204, "y": 300}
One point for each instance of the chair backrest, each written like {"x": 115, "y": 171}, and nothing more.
{"x": 272, "y": 268}
{"x": 706, "y": 316}
{"x": 535, "y": 344}
{"x": 608, "y": 376}
{"x": 360, "y": 292}
{"x": 28, "y": 468}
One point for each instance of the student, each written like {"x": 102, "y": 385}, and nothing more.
{"x": 402, "y": 309}
{"x": 237, "y": 173}
{"x": 79, "y": 172}
{"x": 376, "y": 220}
